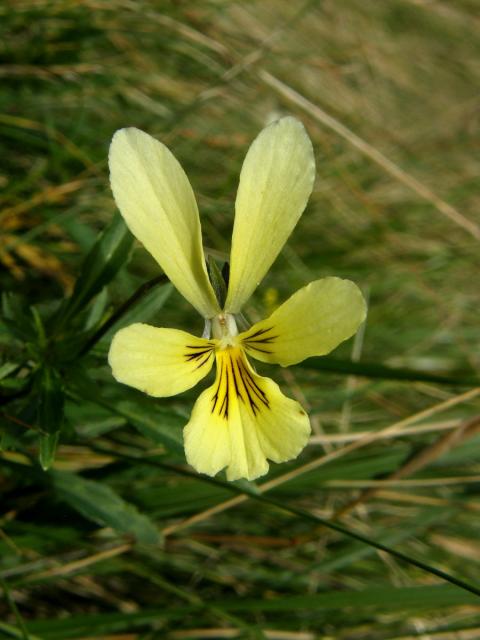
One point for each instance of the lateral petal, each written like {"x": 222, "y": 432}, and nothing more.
{"x": 157, "y": 202}
{"x": 275, "y": 183}
{"x": 243, "y": 420}
{"x": 312, "y": 322}
{"x": 160, "y": 362}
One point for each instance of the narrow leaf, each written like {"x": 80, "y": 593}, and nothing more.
{"x": 159, "y": 425}
{"x": 99, "y": 503}
{"x": 48, "y": 448}
{"x": 50, "y": 400}
{"x": 384, "y": 372}
{"x": 101, "y": 264}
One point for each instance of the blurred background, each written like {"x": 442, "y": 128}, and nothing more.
{"x": 104, "y": 530}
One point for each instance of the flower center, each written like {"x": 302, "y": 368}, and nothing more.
{"x": 224, "y": 329}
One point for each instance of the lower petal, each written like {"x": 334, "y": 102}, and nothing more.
{"x": 242, "y": 421}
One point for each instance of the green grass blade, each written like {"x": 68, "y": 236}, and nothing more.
{"x": 384, "y": 372}
{"x": 99, "y": 503}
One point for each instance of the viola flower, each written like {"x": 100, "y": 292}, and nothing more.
{"x": 243, "y": 419}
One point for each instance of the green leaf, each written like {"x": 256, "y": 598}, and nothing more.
{"x": 17, "y": 316}
{"x": 15, "y": 632}
{"x": 89, "y": 420}
{"x": 384, "y": 597}
{"x": 107, "y": 256}
{"x": 144, "y": 310}
{"x": 160, "y": 425}
{"x": 50, "y": 413}
{"x": 13, "y": 606}
{"x": 48, "y": 448}
{"x": 99, "y": 503}
{"x": 143, "y": 305}
{"x": 96, "y": 310}
{"x": 7, "y": 368}
{"x": 50, "y": 400}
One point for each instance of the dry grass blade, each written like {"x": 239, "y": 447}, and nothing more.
{"x": 471, "y": 634}
{"x": 432, "y": 452}
{"x": 425, "y": 482}
{"x": 462, "y": 547}
{"x": 387, "y": 94}
{"x": 339, "y": 438}
{"x": 368, "y": 150}
{"x": 412, "y": 498}
{"x": 212, "y": 634}
{"x": 314, "y": 464}
{"x": 77, "y": 565}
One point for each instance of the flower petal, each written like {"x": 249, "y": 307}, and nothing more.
{"x": 243, "y": 420}
{"x": 157, "y": 202}
{"x": 312, "y": 322}
{"x": 275, "y": 183}
{"x": 160, "y": 362}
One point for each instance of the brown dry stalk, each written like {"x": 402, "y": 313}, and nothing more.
{"x": 47, "y": 195}
{"x": 370, "y": 151}
{"x": 318, "y": 462}
{"x": 428, "y": 454}
{"x": 216, "y": 634}
{"x": 223, "y": 506}
{"x": 77, "y": 565}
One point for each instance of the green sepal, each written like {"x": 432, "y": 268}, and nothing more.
{"x": 217, "y": 280}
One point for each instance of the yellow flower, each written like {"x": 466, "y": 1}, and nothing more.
{"x": 243, "y": 419}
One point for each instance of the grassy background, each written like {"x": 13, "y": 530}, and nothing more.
{"x": 116, "y": 539}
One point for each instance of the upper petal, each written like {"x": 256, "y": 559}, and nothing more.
{"x": 157, "y": 202}
{"x": 243, "y": 420}
{"x": 275, "y": 183}
{"x": 160, "y": 362}
{"x": 312, "y": 322}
